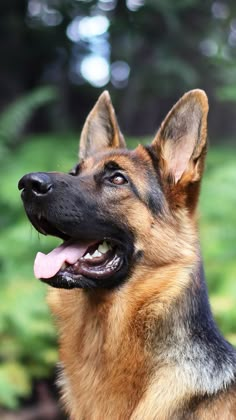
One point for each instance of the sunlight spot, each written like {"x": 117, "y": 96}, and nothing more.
{"x": 93, "y": 26}
{"x": 34, "y": 8}
{"x": 120, "y": 71}
{"x": 134, "y": 5}
{"x": 107, "y": 5}
{"x": 38, "y": 11}
{"x": 100, "y": 46}
{"x": 51, "y": 17}
{"x": 220, "y": 10}
{"x": 87, "y": 27}
{"x": 72, "y": 30}
{"x": 95, "y": 69}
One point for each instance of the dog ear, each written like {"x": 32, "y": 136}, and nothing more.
{"x": 101, "y": 129}
{"x": 180, "y": 146}
{"x": 181, "y": 140}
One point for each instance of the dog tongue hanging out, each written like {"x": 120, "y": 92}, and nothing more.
{"x": 47, "y": 266}
{"x": 138, "y": 341}
{"x": 73, "y": 256}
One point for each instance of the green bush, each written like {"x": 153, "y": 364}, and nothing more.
{"x": 218, "y": 236}
{"x": 17, "y": 114}
{"x": 28, "y": 340}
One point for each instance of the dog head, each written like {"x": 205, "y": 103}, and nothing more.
{"x": 119, "y": 209}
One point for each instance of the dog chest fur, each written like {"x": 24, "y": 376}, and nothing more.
{"x": 143, "y": 357}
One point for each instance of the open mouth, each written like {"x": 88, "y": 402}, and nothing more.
{"x": 67, "y": 265}
{"x": 75, "y": 263}
{"x": 80, "y": 263}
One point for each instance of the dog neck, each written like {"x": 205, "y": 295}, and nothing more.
{"x": 166, "y": 341}
{"x": 191, "y": 340}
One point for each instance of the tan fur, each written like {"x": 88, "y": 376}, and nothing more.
{"x": 99, "y": 359}
{"x": 223, "y": 407}
{"x": 106, "y": 336}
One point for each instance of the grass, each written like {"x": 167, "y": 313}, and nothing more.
{"x": 28, "y": 349}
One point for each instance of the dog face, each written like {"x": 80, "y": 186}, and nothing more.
{"x": 118, "y": 210}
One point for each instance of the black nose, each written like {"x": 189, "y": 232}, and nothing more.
{"x": 36, "y": 183}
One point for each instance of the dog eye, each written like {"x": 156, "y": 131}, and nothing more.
{"x": 118, "y": 179}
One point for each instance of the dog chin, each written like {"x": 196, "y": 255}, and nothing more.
{"x": 67, "y": 280}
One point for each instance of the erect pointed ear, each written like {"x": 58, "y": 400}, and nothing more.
{"x": 180, "y": 143}
{"x": 101, "y": 129}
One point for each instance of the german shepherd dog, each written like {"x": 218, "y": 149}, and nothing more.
{"x": 137, "y": 336}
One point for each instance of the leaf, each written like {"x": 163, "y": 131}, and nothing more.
{"x": 16, "y": 115}
{"x": 14, "y": 383}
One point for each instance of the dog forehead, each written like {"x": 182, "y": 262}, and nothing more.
{"x": 127, "y": 160}
{"x": 137, "y": 164}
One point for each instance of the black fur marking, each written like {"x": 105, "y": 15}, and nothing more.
{"x": 138, "y": 256}
{"x": 154, "y": 159}
{"x": 75, "y": 170}
{"x": 155, "y": 196}
{"x": 112, "y": 165}
{"x": 200, "y": 322}
{"x": 134, "y": 190}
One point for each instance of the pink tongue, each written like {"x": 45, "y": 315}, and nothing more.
{"x": 47, "y": 266}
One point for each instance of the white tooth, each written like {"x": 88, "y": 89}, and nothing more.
{"x": 88, "y": 256}
{"x": 104, "y": 247}
{"x": 96, "y": 254}
{"x": 63, "y": 266}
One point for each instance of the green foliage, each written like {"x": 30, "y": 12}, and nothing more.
{"x": 227, "y": 93}
{"x": 28, "y": 340}
{"x": 15, "y": 117}
{"x": 14, "y": 382}
{"x": 218, "y": 234}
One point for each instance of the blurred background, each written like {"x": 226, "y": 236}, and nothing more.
{"x": 56, "y": 58}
